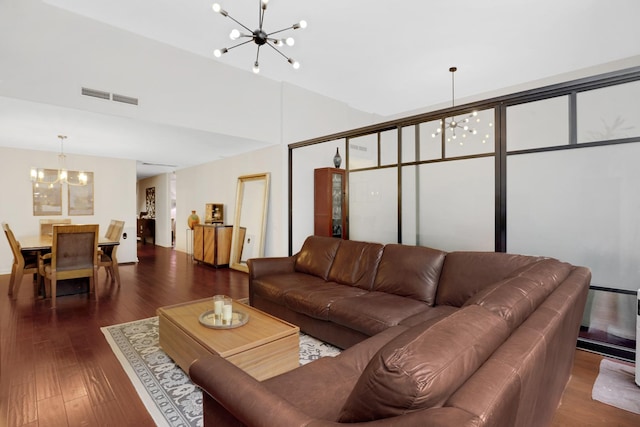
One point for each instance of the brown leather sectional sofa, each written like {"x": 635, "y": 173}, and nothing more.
{"x": 431, "y": 338}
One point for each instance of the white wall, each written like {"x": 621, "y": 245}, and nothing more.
{"x": 216, "y": 182}
{"x": 114, "y": 196}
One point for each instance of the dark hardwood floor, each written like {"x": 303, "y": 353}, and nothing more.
{"x": 56, "y": 368}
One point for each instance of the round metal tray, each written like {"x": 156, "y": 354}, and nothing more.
{"x": 238, "y": 318}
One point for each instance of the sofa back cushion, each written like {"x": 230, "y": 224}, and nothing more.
{"x": 517, "y": 296}
{"x": 316, "y": 256}
{"x": 355, "y": 263}
{"x": 465, "y": 273}
{"x": 410, "y": 271}
{"x": 422, "y": 367}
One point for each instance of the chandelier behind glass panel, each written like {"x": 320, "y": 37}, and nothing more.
{"x": 39, "y": 175}
{"x": 455, "y": 129}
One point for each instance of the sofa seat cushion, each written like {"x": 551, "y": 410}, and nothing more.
{"x": 355, "y": 264}
{"x": 410, "y": 271}
{"x": 465, "y": 273}
{"x": 399, "y": 379}
{"x": 374, "y": 312}
{"x": 273, "y": 287}
{"x": 516, "y": 297}
{"x": 316, "y": 256}
{"x": 315, "y": 301}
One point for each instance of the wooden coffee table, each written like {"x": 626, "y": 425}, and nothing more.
{"x": 264, "y": 347}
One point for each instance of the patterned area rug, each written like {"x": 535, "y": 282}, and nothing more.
{"x": 166, "y": 391}
{"x": 616, "y": 386}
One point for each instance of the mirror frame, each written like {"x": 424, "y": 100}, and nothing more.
{"x": 236, "y": 245}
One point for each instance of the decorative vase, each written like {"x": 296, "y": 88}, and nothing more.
{"x": 193, "y": 220}
{"x": 337, "y": 160}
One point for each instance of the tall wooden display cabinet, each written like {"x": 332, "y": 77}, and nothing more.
{"x": 329, "y": 203}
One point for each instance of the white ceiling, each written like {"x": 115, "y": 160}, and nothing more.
{"x": 385, "y": 58}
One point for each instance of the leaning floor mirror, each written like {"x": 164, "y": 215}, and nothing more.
{"x": 248, "y": 236}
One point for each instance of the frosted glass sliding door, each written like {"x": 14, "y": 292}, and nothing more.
{"x": 581, "y": 206}
{"x": 455, "y": 207}
{"x": 373, "y": 207}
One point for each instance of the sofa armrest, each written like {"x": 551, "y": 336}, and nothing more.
{"x": 259, "y": 267}
{"x": 244, "y": 397}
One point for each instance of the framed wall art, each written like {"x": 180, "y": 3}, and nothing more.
{"x": 151, "y": 202}
{"x": 47, "y": 195}
{"x": 80, "y": 196}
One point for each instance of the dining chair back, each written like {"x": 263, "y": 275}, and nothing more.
{"x": 23, "y": 263}
{"x": 107, "y": 254}
{"x": 74, "y": 254}
{"x": 46, "y": 225}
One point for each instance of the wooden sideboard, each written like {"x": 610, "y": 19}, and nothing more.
{"x": 212, "y": 244}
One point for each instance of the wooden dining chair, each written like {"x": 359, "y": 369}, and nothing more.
{"x": 74, "y": 254}
{"x": 46, "y": 225}
{"x": 107, "y": 254}
{"x": 23, "y": 263}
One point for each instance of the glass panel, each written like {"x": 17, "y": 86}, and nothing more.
{"x": 430, "y": 145}
{"x": 408, "y": 144}
{"x": 363, "y": 151}
{"x": 409, "y": 208}
{"x": 460, "y": 142}
{"x": 609, "y": 113}
{"x": 336, "y": 205}
{"x": 373, "y": 206}
{"x": 610, "y": 318}
{"x": 389, "y": 147}
{"x": 456, "y": 206}
{"x": 538, "y": 124}
{"x": 305, "y": 160}
{"x": 580, "y": 206}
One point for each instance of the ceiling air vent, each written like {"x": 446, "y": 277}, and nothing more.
{"x": 125, "y": 99}
{"x": 95, "y": 93}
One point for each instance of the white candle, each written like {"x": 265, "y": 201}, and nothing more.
{"x": 217, "y": 307}
{"x": 227, "y": 314}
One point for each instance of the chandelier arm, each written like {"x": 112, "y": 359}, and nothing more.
{"x": 278, "y": 50}
{"x": 239, "y": 23}
{"x": 261, "y": 9}
{"x": 279, "y": 31}
{"x": 258, "y": 53}
{"x": 239, "y": 44}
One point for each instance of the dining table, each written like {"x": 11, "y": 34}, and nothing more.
{"x": 42, "y": 243}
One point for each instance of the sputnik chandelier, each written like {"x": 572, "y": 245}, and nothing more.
{"x": 462, "y": 126}
{"x": 259, "y": 36}
{"x": 40, "y": 176}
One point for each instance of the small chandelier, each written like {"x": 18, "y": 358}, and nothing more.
{"x": 462, "y": 126}
{"x": 39, "y": 175}
{"x": 259, "y": 36}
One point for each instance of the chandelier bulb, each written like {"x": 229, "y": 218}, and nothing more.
{"x": 302, "y": 24}
{"x": 256, "y": 68}
{"x": 218, "y": 9}
{"x": 294, "y": 64}
{"x": 290, "y": 41}
{"x": 264, "y": 4}
{"x": 234, "y": 35}
{"x": 219, "y": 52}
